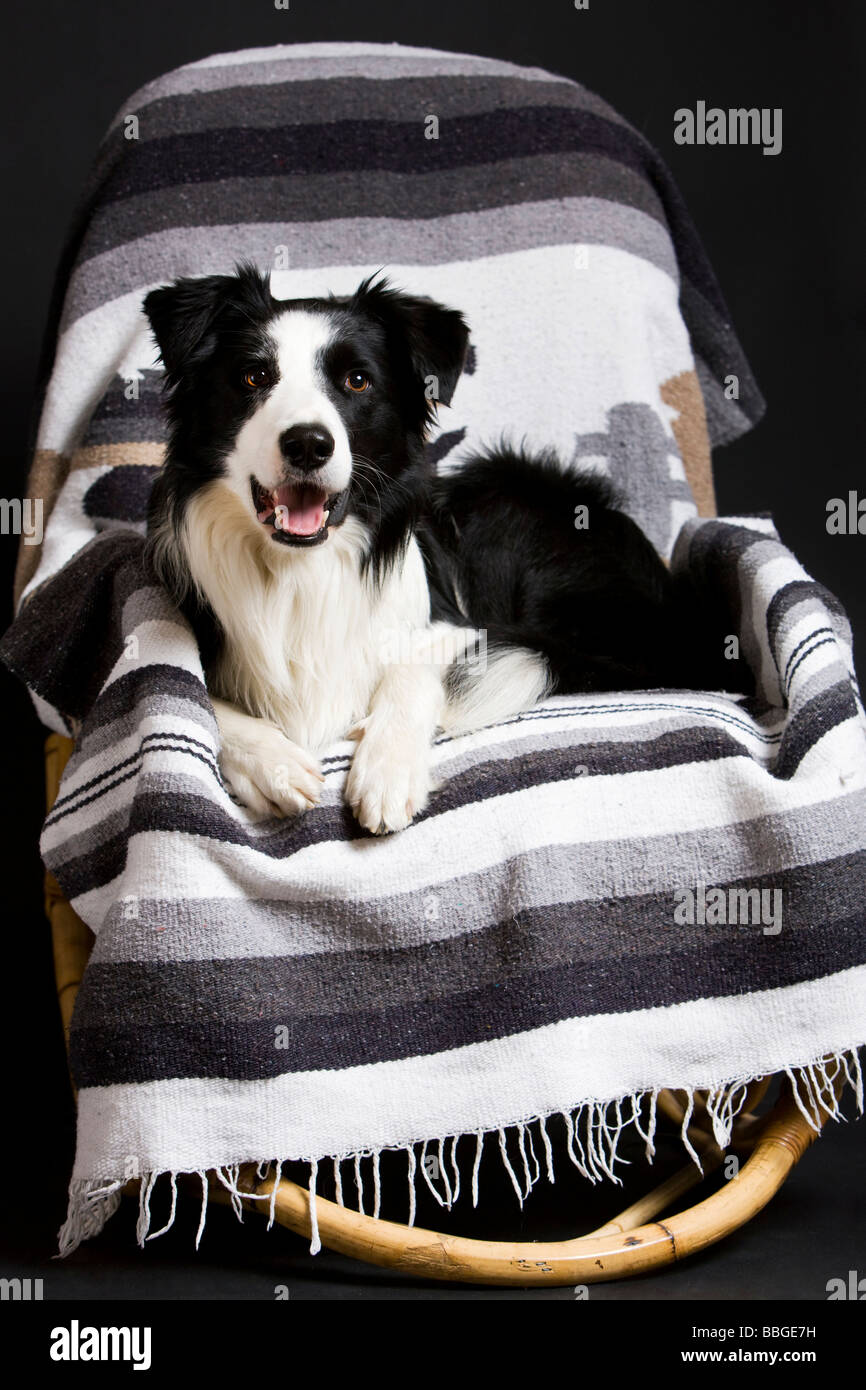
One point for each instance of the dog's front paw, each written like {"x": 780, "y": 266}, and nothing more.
{"x": 387, "y": 785}
{"x": 270, "y": 774}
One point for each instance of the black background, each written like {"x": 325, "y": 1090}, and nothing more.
{"x": 786, "y": 237}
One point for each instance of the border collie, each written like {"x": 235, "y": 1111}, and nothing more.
{"x": 338, "y": 588}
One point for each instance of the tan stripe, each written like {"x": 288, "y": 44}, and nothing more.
{"x": 113, "y": 455}
{"x": 683, "y": 394}
{"x": 49, "y": 471}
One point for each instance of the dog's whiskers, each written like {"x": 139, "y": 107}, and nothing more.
{"x": 362, "y": 460}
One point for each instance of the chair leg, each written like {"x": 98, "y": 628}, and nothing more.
{"x": 663, "y": 1196}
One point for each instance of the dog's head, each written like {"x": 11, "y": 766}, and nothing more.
{"x": 304, "y": 408}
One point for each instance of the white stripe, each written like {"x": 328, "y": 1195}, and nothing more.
{"x": 106, "y": 764}
{"x": 160, "y": 641}
{"x": 479, "y": 836}
{"x": 707, "y": 1043}
{"x": 115, "y": 338}
{"x": 507, "y": 301}
{"x": 771, "y": 574}
{"x": 764, "y": 524}
{"x": 303, "y": 53}
{"x": 617, "y": 875}
{"x": 807, "y": 662}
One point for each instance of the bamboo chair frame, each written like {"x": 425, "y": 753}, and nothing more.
{"x": 633, "y": 1242}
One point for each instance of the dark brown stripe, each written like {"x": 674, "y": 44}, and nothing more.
{"x": 214, "y": 1045}
{"x": 144, "y": 993}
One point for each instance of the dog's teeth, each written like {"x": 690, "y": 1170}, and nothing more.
{"x": 325, "y": 516}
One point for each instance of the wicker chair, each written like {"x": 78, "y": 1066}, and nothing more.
{"x": 635, "y": 1240}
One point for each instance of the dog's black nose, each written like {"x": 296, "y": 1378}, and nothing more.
{"x": 306, "y": 446}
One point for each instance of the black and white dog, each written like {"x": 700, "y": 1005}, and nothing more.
{"x": 337, "y": 586}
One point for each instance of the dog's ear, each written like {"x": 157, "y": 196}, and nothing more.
{"x": 436, "y": 338}
{"x": 184, "y": 315}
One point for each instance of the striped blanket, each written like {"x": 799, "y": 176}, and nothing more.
{"x": 607, "y": 895}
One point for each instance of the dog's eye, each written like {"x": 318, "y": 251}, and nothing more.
{"x": 357, "y": 381}
{"x": 257, "y": 378}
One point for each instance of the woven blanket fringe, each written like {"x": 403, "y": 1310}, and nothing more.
{"x": 592, "y": 1136}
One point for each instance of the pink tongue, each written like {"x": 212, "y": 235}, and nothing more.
{"x": 300, "y": 511}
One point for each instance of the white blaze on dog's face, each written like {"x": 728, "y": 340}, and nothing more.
{"x": 292, "y": 458}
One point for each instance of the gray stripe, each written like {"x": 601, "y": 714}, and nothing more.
{"x": 111, "y": 817}
{"x": 826, "y": 607}
{"x": 372, "y": 240}
{"x": 754, "y": 648}
{"x": 809, "y": 686}
{"x": 290, "y": 198}
{"x": 618, "y": 871}
{"x": 107, "y": 735}
{"x": 527, "y": 942}
{"x": 809, "y": 607}
{"x": 726, "y": 419}
{"x": 530, "y": 736}
{"x": 384, "y": 66}
{"x": 313, "y": 100}
{"x": 533, "y": 734}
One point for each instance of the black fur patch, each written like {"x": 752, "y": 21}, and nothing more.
{"x": 542, "y": 557}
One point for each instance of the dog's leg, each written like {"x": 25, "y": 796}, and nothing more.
{"x": 268, "y": 772}
{"x": 389, "y": 780}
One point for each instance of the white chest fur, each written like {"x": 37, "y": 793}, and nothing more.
{"x": 306, "y": 639}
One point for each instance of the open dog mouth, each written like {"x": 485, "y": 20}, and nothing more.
{"x": 298, "y": 513}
